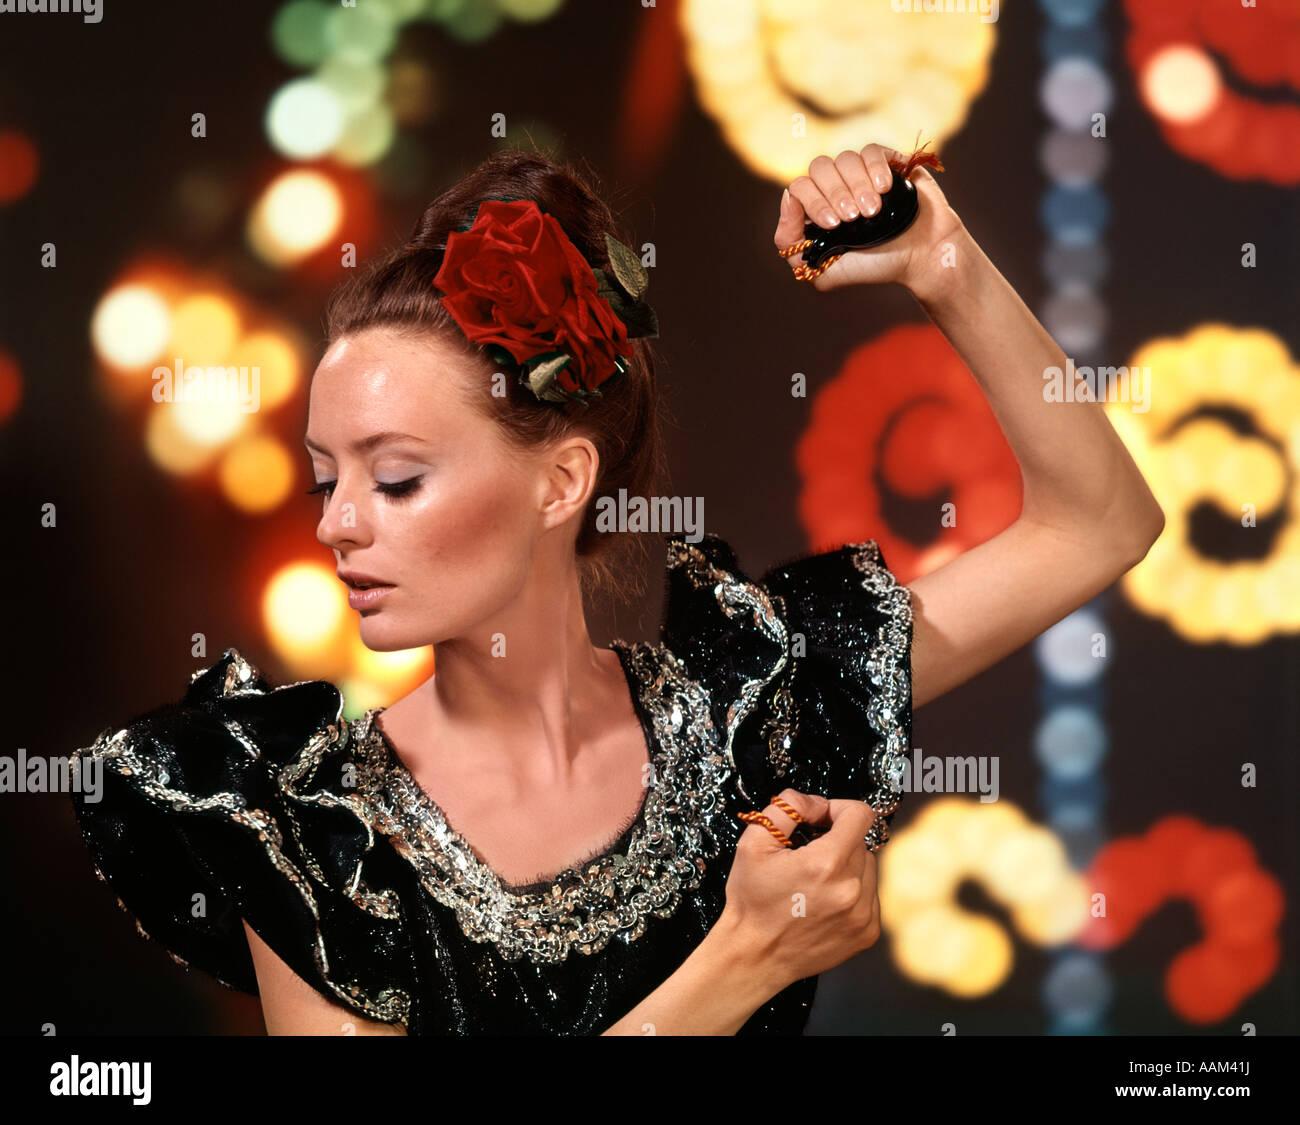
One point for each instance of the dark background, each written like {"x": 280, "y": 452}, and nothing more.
{"x": 102, "y": 607}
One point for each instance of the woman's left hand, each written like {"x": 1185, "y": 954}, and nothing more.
{"x": 851, "y": 185}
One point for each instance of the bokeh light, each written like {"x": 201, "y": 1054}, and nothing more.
{"x": 304, "y": 610}
{"x": 130, "y": 327}
{"x": 11, "y": 386}
{"x": 298, "y": 32}
{"x": 304, "y": 119}
{"x": 1190, "y": 461}
{"x": 783, "y": 90}
{"x": 296, "y": 215}
{"x": 170, "y": 447}
{"x": 1020, "y": 864}
{"x": 256, "y": 473}
{"x": 19, "y": 165}
{"x": 1181, "y": 84}
{"x": 204, "y": 329}
{"x": 276, "y": 355}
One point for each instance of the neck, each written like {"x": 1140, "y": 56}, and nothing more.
{"x": 526, "y": 686}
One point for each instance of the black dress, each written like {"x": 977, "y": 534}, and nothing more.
{"x": 247, "y": 800}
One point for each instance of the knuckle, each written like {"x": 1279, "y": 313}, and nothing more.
{"x": 844, "y": 896}
{"x": 821, "y": 161}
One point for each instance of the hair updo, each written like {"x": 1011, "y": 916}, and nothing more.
{"x": 625, "y": 423}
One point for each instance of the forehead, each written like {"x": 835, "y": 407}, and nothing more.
{"x": 382, "y": 379}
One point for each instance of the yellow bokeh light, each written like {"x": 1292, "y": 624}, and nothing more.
{"x": 304, "y": 610}
{"x": 1181, "y": 84}
{"x": 1057, "y": 916}
{"x": 207, "y": 420}
{"x": 276, "y": 356}
{"x": 130, "y": 327}
{"x": 256, "y": 473}
{"x": 170, "y": 447}
{"x": 1021, "y": 865}
{"x": 393, "y": 669}
{"x": 784, "y": 91}
{"x": 204, "y": 328}
{"x": 295, "y": 216}
{"x": 1247, "y": 477}
{"x": 987, "y": 957}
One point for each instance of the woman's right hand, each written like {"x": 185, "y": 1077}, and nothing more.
{"x": 800, "y": 911}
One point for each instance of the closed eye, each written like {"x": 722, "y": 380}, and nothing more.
{"x": 396, "y": 489}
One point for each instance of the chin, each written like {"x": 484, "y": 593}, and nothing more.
{"x": 388, "y": 636}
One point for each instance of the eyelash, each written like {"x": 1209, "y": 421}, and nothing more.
{"x": 396, "y": 490}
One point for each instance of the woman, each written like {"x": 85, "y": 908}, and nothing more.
{"x": 481, "y": 390}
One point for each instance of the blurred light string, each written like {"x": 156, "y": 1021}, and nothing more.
{"x": 1071, "y": 738}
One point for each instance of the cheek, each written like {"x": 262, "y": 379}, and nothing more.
{"x": 473, "y": 526}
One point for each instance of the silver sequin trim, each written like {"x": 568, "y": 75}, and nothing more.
{"x": 117, "y": 752}
{"x": 889, "y": 666}
{"x": 736, "y": 597}
{"x": 583, "y": 908}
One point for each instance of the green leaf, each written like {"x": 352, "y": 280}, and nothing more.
{"x": 640, "y": 320}
{"x": 627, "y": 268}
{"x": 540, "y": 377}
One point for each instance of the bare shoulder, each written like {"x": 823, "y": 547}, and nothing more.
{"x": 290, "y": 1006}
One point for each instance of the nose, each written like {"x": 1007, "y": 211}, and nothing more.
{"x": 344, "y": 522}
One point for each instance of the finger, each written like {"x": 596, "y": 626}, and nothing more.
{"x": 813, "y": 808}
{"x": 853, "y": 171}
{"x": 850, "y": 821}
{"x": 876, "y": 158}
{"x": 815, "y": 204}
{"x": 831, "y": 184}
{"x": 790, "y": 227}
{"x": 757, "y": 835}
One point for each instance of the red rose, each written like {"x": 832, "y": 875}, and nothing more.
{"x": 515, "y": 279}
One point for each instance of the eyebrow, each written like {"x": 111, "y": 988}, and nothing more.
{"x": 365, "y": 444}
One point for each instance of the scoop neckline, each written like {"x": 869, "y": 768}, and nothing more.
{"x": 539, "y": 886}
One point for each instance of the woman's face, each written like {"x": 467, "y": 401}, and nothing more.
{"x": 421, "y": 491}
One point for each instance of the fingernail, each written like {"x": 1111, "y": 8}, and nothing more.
{"x": 882, "y": 180}
{"x": 829, "y": 219}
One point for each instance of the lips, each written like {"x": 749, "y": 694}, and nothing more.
{"x": 358, "y": 581}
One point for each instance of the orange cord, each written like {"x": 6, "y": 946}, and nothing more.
{"x": 766, "y": 822}
{"x": 789, "y": 810}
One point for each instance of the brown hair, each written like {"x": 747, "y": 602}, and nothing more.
{"x": 625, "y": 423}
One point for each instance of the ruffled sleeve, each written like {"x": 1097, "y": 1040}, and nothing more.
{"x": 808, "y": 668}
{"x": 235, "y": 803}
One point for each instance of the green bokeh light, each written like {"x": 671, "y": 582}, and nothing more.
{"x": 358, "y": 82}
{"x": 366, "y": 31}
{"x": 474, "y": 22}
{"x": 367, "y": 136}
{"x": 298, "y": 32}
{"x": 530, "y": 11}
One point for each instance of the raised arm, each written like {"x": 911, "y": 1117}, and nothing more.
{"x": 1087, "y": 514}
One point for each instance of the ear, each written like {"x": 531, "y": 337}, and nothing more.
{"x": 568, "y": 479}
